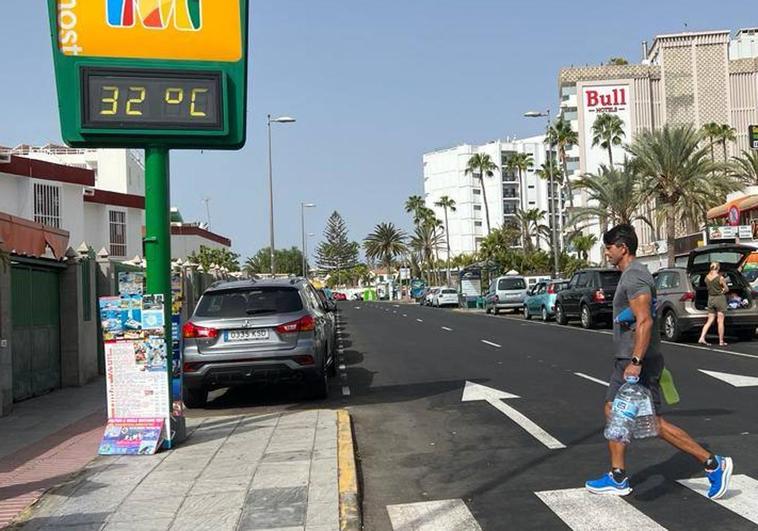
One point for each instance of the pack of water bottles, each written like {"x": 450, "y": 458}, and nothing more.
{"x": 632, "y": 414}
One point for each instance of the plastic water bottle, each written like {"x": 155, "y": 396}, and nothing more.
{"x": 646, "y": 423}
{"x": 620, "y": 426}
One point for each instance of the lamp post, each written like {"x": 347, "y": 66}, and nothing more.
{"x": 303, "y": 206}
{"x": 551, "y": 194}
{"x": 280, "y": 120}
{"x": 307, "y": 246}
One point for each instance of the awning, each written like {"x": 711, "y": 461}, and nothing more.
{"x": 745, "y": 203}
{"x": 27, "y": 238}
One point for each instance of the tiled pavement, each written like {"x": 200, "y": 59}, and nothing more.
{"x": 273, "y": 472}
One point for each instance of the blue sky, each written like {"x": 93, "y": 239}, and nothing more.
{"x": 373, "y": 85}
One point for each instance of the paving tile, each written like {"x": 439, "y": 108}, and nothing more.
{"x": 153, "y": 524}
{"x": 274, "y": 508}
{"x": 207, "y": 522}
{"x": 281, "y": 475}
{"x": 212, "y": 486}
{"x": 213, "y": 503}
{"x": 322, "y": 514}
{"x": 161, "y": 506}
{"x": 283, "y": 457}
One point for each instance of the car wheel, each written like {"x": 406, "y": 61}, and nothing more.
{"x": 527, "y": 315}
{"x": 586, "y": 317}
{"x": 671, "y": 330}
{"x": 331, "y": 370}
{"x": 545, "y": 316}
{"x": 560, "y": 316}
{"x": 195, "y": 398}
{"x": 746, "y": 334}
{"x": 487, "y": 310}
{"x": 495, "y": 310}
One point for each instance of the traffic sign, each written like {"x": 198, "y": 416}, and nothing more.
{"x": 753, "y": 136}
{"x": 132, "y": 73}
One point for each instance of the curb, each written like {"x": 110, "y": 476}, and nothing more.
{"x": 350, "y": 508}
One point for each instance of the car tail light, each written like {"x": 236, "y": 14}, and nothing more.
{"x": 687, "y": 296}
{"x": 497, "y": 299}
{"x": 192, "y": 366}
{"x": 304, "y": 324}
{"x": 306, "y": 359}
{"x": 598, "y": 296}
{"x": 192, "y": 331}
{"x": 551, "y": 289}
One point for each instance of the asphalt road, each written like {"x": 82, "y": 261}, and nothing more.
{"x": 427, "y": 456}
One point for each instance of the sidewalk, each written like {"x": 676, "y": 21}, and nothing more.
{"x": 275, "y": 471}
{"x": 45, "y": 440}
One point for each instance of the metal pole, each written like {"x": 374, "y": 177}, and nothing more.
{"x": 271, "y": 199}
{"x": 158, "y": 255}
{"x": 302, "y": 228}
{"x": 551, "y": 197}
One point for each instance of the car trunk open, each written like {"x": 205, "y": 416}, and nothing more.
{"x": 736, "y": 283}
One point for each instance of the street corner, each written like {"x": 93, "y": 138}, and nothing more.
{"x": 349, "y": 492}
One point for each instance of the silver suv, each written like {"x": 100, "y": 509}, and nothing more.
{"x": 252, "y": 331}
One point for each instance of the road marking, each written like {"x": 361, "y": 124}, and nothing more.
{"x": 345, "y": 390}
{"x": 420, "y": 320}
{"x": 442, "y": 515}
{"x": 448, "y": 329}
{"x": 405, "y": 315}
{"x": 490, "y": 343}
{"x": 583, "y": 511}
{"x": 342, "y": 367}
{"x": 357, "y": 307}
{"x": 737, "y": 380}
{"x": 395, "y": 306}
{"x": 475, "y": 392}
{"x": 591, "y": 379}
{"x": 742, "y": 497}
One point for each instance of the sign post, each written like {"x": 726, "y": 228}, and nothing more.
{"x": 153, "y": 75}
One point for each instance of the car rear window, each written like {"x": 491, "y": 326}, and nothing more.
{"x": 251, "y": 301}
{"x": 511, "y": 283}
{"x": 449, "y": 292}
{"x": 609, "y": 279}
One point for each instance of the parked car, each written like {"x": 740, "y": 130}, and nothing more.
{"x": 257, "y": 330}
{"x": 330, "y": 308}
{"x": 588, "y": 297}
{"x": 445, "y": 297}
{"x": 338, "y": 296}
{"x": 430, "y": 293}
{"x": 682, "y": 295}
{"x": 540, "y": 300}
{"x": 505, "y": 293}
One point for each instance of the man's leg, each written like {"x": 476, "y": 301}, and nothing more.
{"x": 616, "y": 449}
{"x": 682, "y": 440}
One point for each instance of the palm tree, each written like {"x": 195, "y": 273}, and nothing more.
{"x": 555, "y": 201}
{"x": 425, "y": 240}
{"x": 384, "y": 244}
{"x": 618, "y": 61}
{"x": 677, "y": 174}
{"x": 478, "y": 166}
{"x": 583, "y": 244}
{"x": 608, "y": 131}
{"x": 616, "y": 195}
{"x": 530, "y": 223}
{"x": 561, "y": 136}
{"x": 726, "y": 133}
{"x": 746, "y": 167}
{"x": 447, "y": 203}
{"x": 520, "y": 162}
{"x": 414, "y": 205}
{"x": 711, "y": 130}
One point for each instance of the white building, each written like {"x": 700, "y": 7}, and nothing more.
{"x": 106, "y": 212}
{"x": 445, "y": 175}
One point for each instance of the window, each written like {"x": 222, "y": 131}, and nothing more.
{"x": 477, "y": 191}
{"x": 583, "y": 280}
{"x": 511, "y": 283}
{"x": 477, "y": 224}
{"x": 117, "y": 223}
{"x": 477, "y": 207}
{"x": 609, "y": 279}
{"x": 245, "y": 302}
{"x": 47, "y": 204}
{"x": 667, "y": 280}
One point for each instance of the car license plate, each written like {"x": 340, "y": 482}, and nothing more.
{"x": 247, "y": 335}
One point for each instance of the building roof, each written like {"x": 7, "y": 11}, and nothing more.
{"x": 194, "y": 230}
{"x": 48, "y": 171}
{"x": 27, "y": 238}
{"x": 105, "y": 197}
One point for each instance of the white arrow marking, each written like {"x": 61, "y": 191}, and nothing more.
{"x": 420, "y": 320}
{"x": 473, "y": 392}
{"x": 737, "y": 380}
{"x": 448, "y": 329}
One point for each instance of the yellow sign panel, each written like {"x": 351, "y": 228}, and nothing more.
{"x": 193, "y": 30}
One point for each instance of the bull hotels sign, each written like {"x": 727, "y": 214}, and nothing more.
{"x": 596, "y": 99}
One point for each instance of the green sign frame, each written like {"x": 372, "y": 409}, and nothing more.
{"x": 69, "y": 70}
{"x": 752, "y": 136}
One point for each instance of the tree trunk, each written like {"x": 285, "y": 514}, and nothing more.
{"x": 670, "y": 238}
{"x": 486, "y": 208}
{"x": 447, "y": 239}
{"x": 566, "y": 180}
{"x": 610, "y": 154}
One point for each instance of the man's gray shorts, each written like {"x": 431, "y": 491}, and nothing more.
{"x": 650, "y": 378}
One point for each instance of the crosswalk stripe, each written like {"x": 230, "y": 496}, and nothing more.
{"x": 442, "y": 515}
{"x": 584, "y": 511}
{"x": 743, "y": 501}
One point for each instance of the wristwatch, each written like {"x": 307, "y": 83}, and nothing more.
{"x": 637, "y": 362}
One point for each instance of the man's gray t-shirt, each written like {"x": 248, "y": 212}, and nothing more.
{"x": 636, "y": 280}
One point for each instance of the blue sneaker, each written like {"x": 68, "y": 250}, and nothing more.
{"x": 720, "y": 477}
{"x": 607, "y": 485}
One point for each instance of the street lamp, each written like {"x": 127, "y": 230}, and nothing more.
{"x": 303, "y": 206}
{"x": 280, "y": 120}
{"x": 307, "y": 247}
{"x": 551, "y": 195}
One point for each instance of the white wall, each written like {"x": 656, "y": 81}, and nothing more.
{"x": 184, "y": 245}
{"x": 97, "y": 228}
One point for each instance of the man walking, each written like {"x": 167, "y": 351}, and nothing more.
{"x": 638, "y": 354}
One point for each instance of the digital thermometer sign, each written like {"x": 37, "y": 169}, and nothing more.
{"x": 144, "y": 99}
